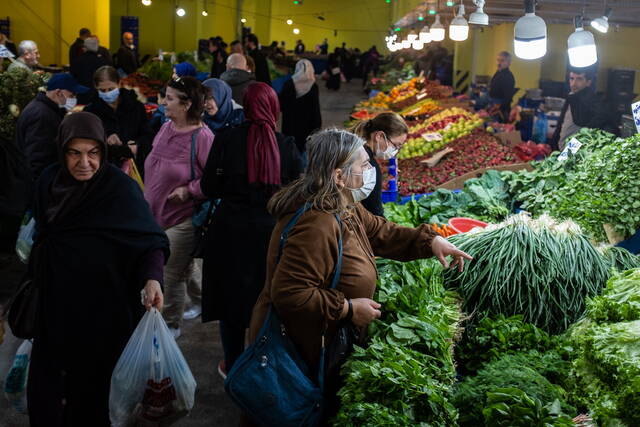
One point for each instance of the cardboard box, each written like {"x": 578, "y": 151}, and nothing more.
{"x": 509, "y": 139}
{"x": 457, "y": 183}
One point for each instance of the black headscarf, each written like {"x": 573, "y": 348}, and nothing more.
{"x": 66, "y": 192}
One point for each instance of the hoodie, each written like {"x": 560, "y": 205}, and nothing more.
{"x": 238, "y": 80}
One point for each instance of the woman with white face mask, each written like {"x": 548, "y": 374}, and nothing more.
{"x": 298, "y": 284}
{"x": 124, "y": 118}
{"x": 384, "y": 135}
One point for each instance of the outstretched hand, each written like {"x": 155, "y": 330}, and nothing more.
{"x": 441, "y": 248}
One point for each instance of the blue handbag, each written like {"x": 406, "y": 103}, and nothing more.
{"x": 270, "y": 382}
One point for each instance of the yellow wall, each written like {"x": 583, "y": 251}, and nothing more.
{"x": 161, "y": 28}
{"x": 54, "y": 24}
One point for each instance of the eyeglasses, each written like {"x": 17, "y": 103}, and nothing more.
{"x": 391, "y": 142}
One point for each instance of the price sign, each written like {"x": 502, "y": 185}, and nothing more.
{"x": 573, "y": 146}
{"x": 5, "y": 53}
{"x": 432, "y": 136}
{"x": 421, "y": 96}
{"x": 635, "y": 109}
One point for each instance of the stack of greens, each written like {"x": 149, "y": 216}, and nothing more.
{"x": 17, "y": 88}
{"x": 405, "y": 376}
{"x": 485, "y": 198}
{"x": 607, "y": 344}
{"x": 537, "y": 268}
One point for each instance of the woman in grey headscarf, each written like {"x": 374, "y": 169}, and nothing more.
{"x": 300, "y": 104}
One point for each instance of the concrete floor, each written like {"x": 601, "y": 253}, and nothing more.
{"x": 200, "y": 343}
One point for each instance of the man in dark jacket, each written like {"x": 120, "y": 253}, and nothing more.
{"x": 86, "y": 64}
{"x": 77, "y": 48}
{"x": 582, "y": 109}
{"x": 128, "y": 60}
{"x": 37, "y": 126}
{"x": 502, "y": 86}
{"x": 262, "y": 68}
{"x": 237, "y": 76}
{"x": 299, "y": 50}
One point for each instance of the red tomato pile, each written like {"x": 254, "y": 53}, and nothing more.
{"x": 476, "y": 150}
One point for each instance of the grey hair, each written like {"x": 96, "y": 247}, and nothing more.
{"x": 26, "y": 46}
{"x": 91, "y": 44}
{"x": 506, "y": 55}
{"x": 327, "y": 150}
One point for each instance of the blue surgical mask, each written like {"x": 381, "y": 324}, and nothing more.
{"x": 109, "y": 97}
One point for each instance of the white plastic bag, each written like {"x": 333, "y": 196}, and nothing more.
{"x": 25, "y": 240}
{"x": 15, "y": 385}
{"x": 151, "y": 384}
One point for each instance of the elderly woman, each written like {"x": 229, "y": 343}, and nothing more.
{"x": 172, "y": 188}
{"x": 336, "y": 179}
{"x": 246, "y": 166}
{"x": 97, "y": 246}
{"x": 220, "y": 111}
{"x": 124, "y": 118}
{"x": 300, "y": 104}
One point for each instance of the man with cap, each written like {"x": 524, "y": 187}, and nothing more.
{"x": 38, "y": 123}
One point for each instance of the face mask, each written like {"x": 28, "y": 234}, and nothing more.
{"x": 109, "y": 97}
{"x": 369, "y": 179}
{"x": 132, "y": 46}
{"x": 389, "y": 153}
{"x": 70, "y": 104}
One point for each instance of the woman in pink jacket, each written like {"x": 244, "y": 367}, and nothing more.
{"x": 172, "y": 188}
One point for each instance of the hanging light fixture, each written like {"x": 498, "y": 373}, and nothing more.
{"x": 479, "y": 17}
{"x": 243, "y": 20}
{"x": 602, "y": 24}
{"x": 289, "y": 21}
{"x": 437, "y": 30}
{"x": 459, "y": 29}
{"x": 412, "y": 36}
{"x": 296, "y": 31}
{"x": 180, "y": 12}
{"x": 581, "y": 46}
{"x": 406, "y": 44}
{"x": 417, "y": 45}
{"x": 530, "y": 34}
{"x": 146, "y": 2}
{"x": 204, "y": 9}
{"x": 424, "y": 35}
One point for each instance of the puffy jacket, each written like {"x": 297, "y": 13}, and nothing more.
{"x": 239, "y": 80}
{"x": 36, "y": 132}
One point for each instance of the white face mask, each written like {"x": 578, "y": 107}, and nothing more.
{"x": 369, "y": 182}
{"x": 70, "y": 104}
{"x": 389, "y": 153}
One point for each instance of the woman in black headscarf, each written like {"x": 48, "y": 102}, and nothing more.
{"x": 97, "y": 251}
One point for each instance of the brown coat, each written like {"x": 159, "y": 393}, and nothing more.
{"x": 297, "y": 286}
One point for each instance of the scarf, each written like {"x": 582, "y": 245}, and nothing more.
{"x": 185, "y": 69}
{"x": 263, "y": 154}
{"x": 221, "y": 93}
{"x": 66, "y": 193}
{"x": 304, "y": 77}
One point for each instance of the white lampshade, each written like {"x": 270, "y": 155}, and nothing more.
{"x": 425, "y": 35}
{"x": 530, "y": 35}
{"x": 479, "y": 17}
{"x": 406, "y": 44}
{"x": 582, "y": 48}
{"x": 459, "y": 29}
{"x": 180, "y": 12}
{"x": 398, "y": 46}
{"x": 412, "y": 36}
{"x": 417, "y": 45}
{"x": 146, "y": 2}
{"x": 437, "y": 30}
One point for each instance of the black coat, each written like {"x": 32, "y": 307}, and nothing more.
{"x": 218, "y": 64}
{"x": 90, "y": 266}
{"x": 86, "y": 65}
{"x": 239, "y": 80}
{"x": 587, "y": 110}
{"x": 300, "y": 49}
{"x": 129, "y": 121}
{"x": 234, "y": 264}
{"x": 334, "y": 79}
{"x": 75, "y": 50}
{"x": 262, "y": 68}
{"x": 503, "y": 87}
{"x": 128, "y": 59}
{"x": 36, "y": 132}
{"x": 300, "y": 116}
{"x": 373, "y": 203}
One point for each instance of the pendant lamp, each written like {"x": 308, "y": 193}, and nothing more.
{"x": 530, "y": 34}
{"x": 437, "y": 30}
{"x": 582, "y": 47}
{"x": 459, "y": 29}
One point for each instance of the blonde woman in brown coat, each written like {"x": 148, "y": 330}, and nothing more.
{"x": 338, "y": 175}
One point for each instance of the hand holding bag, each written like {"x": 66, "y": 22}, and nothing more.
{"x": 270, "y": 381}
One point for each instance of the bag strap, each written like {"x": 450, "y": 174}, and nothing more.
{"x": 194, "y": 135}
{"x": 334, "y": 281}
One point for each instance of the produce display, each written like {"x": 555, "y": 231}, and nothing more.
{"x": 144, "y": 85}
{"x": 470, "y": 152}
{"x": 438, "y": 131}
{"x": 17, "y": 88}
{"x": 425, "y": 107}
